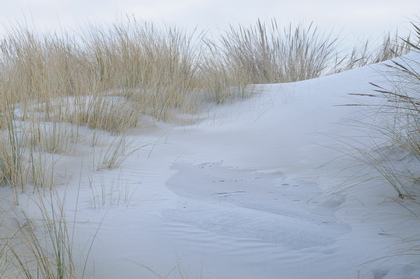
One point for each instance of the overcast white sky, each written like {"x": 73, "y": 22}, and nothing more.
{"x": 355, "y": 18}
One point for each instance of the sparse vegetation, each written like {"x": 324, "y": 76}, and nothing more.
{"x": 109, "y": 79}
{"x": 37, "y": 244}
{"x": 391, "y": 46}
{"x": 398, "y": 161}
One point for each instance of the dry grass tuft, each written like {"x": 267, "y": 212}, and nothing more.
{"x": 37, "y": 247}
{"x": 399, "y": 162}
{"x": 271, "y": 54}
{"x": 154, "y": 67}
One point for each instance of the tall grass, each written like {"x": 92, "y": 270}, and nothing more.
{"x": 155, "y": 67}
{"x": 268, "y": 53}
{"x": 271, "y": 54}
{"x": 399, "y": 161}
{"x": 11, "y": 151}
{"x": 37, "y": 247}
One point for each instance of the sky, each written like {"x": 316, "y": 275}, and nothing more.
{"x": 356, "y": 18}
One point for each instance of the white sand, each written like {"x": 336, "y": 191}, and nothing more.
{"x": 256, "y": 189}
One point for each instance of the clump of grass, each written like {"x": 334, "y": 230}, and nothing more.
{"x": 12, "y": 153}
{"x": 271, "y": 54}
{"x": 12, "y": 170}
{"x": 26, "y": 151}
{"x": 114, "y": 153}
{"x": 37, "y": 248}
{"x": 218, "y": 79}
{"x": 110, "y": 114}
{"x": 389, "y": 47}
{"x": 101, "y": 111}
{"x": 399, "y": 162}
{"x": 47, "y": 89}
{"x": 109, "y": 191}
{"x": 52, "y": 137}
{"x": 39, "y": 67}
{"x": 155, "y": 67}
